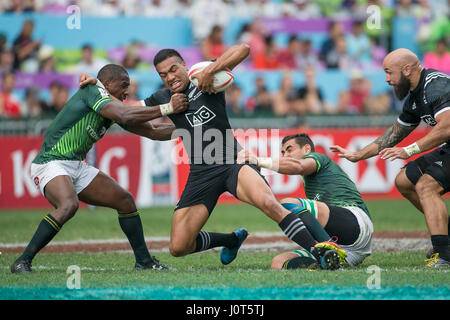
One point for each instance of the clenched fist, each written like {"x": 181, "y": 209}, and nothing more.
{"x": 179, "y": 102}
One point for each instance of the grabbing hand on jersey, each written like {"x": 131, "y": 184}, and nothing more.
{"x": 245, "y": 156}
{"x": 179, "y": 102}
{"x": 86, "y": 79}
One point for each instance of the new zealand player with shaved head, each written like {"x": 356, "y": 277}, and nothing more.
{"x": 424, "y": 180}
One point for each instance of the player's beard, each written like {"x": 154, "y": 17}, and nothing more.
{"x": 402, "y": 88}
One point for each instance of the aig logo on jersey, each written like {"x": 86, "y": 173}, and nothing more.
{"x": 429, "y": 120}
{"x": 200, "y": 117}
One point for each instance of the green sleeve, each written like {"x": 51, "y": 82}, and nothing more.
{"x": 321, "y": 159}
{"x": 96, "y": 97}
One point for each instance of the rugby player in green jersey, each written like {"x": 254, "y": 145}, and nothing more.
{"x": 64, "y": 178}
{"x": 333, "y": 208}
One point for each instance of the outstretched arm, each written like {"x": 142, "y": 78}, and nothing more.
{"x": 285, "y": 165}
{"x": 389, "y": 138}
{"x": 439, "y": 134}
{"x": 161, "y": 132}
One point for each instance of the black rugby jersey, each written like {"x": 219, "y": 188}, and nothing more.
{"x": 204, "y": 126}
{"x": 427, "y": 100}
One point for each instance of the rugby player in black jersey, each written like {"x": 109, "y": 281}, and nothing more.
{"x": 424, "y": 180}
{"x": 212, "y": 151}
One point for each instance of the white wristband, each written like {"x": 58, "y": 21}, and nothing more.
{"x": 264, "y": 163}
{"x": 166, "y": 109}
{"x": 412, "y": 149}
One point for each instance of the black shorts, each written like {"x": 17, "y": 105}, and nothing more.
{"x": 206, "y": 183}
{"x": 342, "y": 224}
{"x": 435, "y": 164}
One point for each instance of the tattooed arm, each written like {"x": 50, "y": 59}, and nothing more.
{"x": 389, "y": 138}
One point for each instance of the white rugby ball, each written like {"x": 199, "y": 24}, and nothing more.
{"x": 222, "y": 79}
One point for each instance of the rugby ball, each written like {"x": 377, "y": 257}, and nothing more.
{"x": 222, "y": 79}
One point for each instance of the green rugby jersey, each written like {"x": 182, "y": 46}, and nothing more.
{"x": 76, "y": 127}
{"x": 331, "y": 185}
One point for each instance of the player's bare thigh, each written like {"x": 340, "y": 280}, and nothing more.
{"x": 61, "y": 194}
{"x": 252, "y": 189}
{"x": 106, "y": 192}
{"x": 323, "y": 212}
{"x": 186, "y": 225}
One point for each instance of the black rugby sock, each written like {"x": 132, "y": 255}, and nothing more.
{"x": 208, "y": 240}
{"x": 45, "y": 232}
{"x": 294, "y": 228}
{"x": 132, "y": 227}
{"x": 440, "y": 245}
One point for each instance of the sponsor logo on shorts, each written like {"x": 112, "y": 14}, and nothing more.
{"x": 429, "y": 120}
{"x": 36, "y": 181}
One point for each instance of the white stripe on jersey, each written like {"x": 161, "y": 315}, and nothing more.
{"x": 434, "y": 75}
{"x": 440, "y": 111}
{"x": 406, "y": 123}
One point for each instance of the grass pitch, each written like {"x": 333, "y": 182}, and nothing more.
{"x": 397, "y": 275}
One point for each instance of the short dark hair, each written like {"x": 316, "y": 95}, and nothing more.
{"x": 164, "y": 54}
{"x": 111, "y": 72}
{"x": 301, "y": 139}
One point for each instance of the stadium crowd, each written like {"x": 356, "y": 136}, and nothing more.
{"x": 353, "y": 52}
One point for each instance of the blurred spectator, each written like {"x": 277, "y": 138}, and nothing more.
{"x": 26, "y": 49}
{"x": 285, "y": 98}
{"x": 33, "y": 105}
{"x": 58, "y": 98}
{"x": 301, "y": 9}
{"x": 131, "y": 59}
{"x": 310, "y": 97}
{"x": 287, "y": 57}
{"x": 159, "y": 8}
{"x": 357, "y": 99}
{"x": 262, "y": 101}
{"x": 6, "y": 61}
{"x": 133, "y": 91}
{"x": 3, "y": 42}
{"x": 46, "y": 59}
{"x": 406, "y": 8}
{"x": 9, "y": 104}
{"x": 438, "y": 59}
{"x": 206, "y": 14}
{"x": 20, "y": 6}
{"x": 359, "y": 45}
{"x": 89, "y": 63}
{"x": 335, "y": 30}
{"x": 213, "y": 45}
{"x": 256, "y": 39}
{"x": 267, "y": 59}
{"x": 245, "y": 8}
{"x": 235, "y": 100}
{"x": 244, "y": 34}
{"x": 306, "y": 57}
{"x": 338, "y": 57}
{"x": 268, "y": 9}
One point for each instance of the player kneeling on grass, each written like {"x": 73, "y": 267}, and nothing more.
{"x": 337, "y": 210}
{"x": 63, "y": 178}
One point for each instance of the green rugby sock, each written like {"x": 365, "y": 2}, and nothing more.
{"x": 313, "y": 225}
{"x": 45, "y": 232}
{"x": 131, "y": 225}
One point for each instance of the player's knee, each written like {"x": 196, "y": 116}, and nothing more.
{"x": 427, "y": 186}
{"x": 68, "y": 208}
{"x": 178, "y": 249}
{"x": 127, "y": 203}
